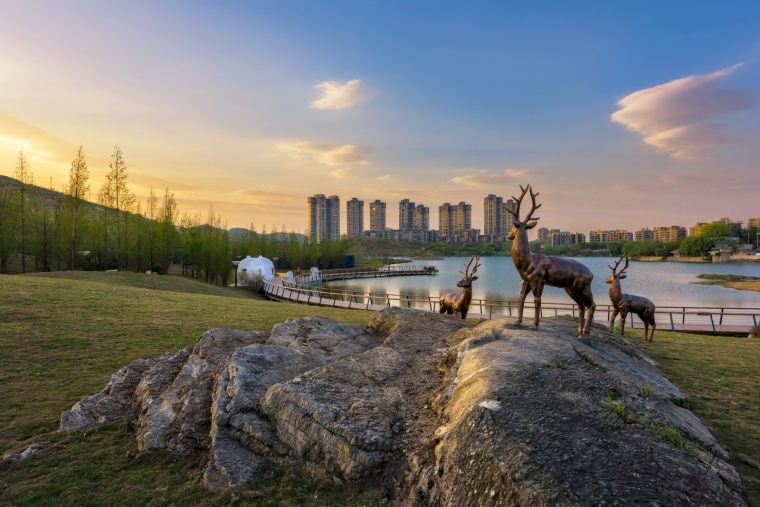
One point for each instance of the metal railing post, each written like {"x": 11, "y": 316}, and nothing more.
{"x": 712, "y": 322}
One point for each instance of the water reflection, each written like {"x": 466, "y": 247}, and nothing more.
{"x": 666, "y": 283}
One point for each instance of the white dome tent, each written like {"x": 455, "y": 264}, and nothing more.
{"x": 251, "y": 268}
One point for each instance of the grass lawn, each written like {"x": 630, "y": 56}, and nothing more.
{"x": 721, "y": 376}
{"x": 63, "y": 334}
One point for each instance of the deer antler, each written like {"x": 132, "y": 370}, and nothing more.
{"x": 617, "y": 264}
{"x": 519, "y": 201}
{"x": 466, "y": 271}
{"x": 477, "y": 265}
{"x": 516, "y": 213}
{"x": 534, "y": 206}
{"x": 626, "y": 265}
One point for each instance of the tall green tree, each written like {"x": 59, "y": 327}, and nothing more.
{"x": 77, "y": 191}
{"x": 24, "y": 177}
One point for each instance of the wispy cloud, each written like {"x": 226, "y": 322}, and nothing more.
{"x": 674, "y": 117}
{"x": 341, "y": 157}
{"x": 484, "y": 177}
{"x": 339, "y": 94}
{"x": 343, "y": 172}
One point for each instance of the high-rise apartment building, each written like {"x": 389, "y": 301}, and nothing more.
{"x": 377, "y": 216}
{"x": 421, "y": 219}
{"x": 455, "y": 222}
{"x": 323, "y": 214}
{"x": 507, "y": 219}
{"x": 406, "y": 215}
{"x": 493, "y": 213}
{"x": 542, "y": 234}
{"x": 497, "y": 220}
{"x": 354, "y": 218}
{"x": 463, "y": 217}
{"x": 445, "y": 220}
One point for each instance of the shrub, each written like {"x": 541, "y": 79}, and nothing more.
{"x": 755, "y": 331}
{"x": 646, "y": 390}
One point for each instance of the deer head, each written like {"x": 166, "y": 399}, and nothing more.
{"x": 529, "y": 222}
{"x": 469, "y": 276}
{"x": 618, "y": 275}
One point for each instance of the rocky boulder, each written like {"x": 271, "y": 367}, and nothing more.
{"x": 433, "y": 409}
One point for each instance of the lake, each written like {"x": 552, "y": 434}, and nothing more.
{"x": 665, "y": 283}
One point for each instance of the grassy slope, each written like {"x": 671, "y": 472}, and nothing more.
{"x": 720, "y": 375}
{"x": 62, "y": 339}
{"x": 170, "y": 283}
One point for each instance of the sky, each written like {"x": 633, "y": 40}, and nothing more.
{"x": 621, "y": 114}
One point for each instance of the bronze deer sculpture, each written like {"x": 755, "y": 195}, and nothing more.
{"x": 538, "y": 270}
{"x": 628, "y": 303}
{"x": 459, "y": 304}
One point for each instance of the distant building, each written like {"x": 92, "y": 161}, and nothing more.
{"x": 406, "y": 215}
{"x": 542, "y": 234}
{"x": 497, "y": 220}
{"x": 354, "y": 218}
{"x": 507, "y": 219}
{"x": 377, "y": 216}
{"x": 669, "y": 234}
{"x": 753, "y": 222}
{"x": 493, "y": 211}
{"x": 555, "y": 237}
{"x": 735, "y": 228}
{"x": 455, "y": 223}
{"x": 612, "y": 236}
{"x": 421, "y": 219}
{"x": 445, "y": 220}
{"x": 644, "y": 234}
{"x": 697, "y": 229}
{"x": 323, "y": 214}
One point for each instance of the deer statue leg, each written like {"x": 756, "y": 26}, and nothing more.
{"x": 524, "y": 289}
{"x": 623, "y": 315}
{"x": 653, "y": 325}
{"x": 537, "y": 288}
{"x": 588, "y": 300}
{"x": 581, "y": 307}
{"x": 646, "y": 328}
{"x": 612, "y": 319}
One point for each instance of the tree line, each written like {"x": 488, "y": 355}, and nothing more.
{"x": 44, "y": 230}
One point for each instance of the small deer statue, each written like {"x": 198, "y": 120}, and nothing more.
{"x": 459, "y": 304}
{"x": 537, "y": 270}
{"x": 628, "y": 303}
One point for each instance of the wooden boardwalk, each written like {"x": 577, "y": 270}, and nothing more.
{"x": 700, "y": 320}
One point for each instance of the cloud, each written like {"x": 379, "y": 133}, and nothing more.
{"x": 343, "y": 172}
{"x": 674, "y": 117}
{"x": 327, "y": 154}
{"x": 485, "y": 178}
{"x": 339, "y": 94}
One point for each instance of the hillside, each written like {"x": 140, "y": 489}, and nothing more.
{"x": 167, "y": 283}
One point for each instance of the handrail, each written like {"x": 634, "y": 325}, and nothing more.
{"x": 727, "y": 316}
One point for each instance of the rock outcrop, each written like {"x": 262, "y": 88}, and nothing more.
{"x": 435, "y": 410}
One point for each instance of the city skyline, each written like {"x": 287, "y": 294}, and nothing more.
{"x": 414, "y": 224}
{"x": 251, "y": 107}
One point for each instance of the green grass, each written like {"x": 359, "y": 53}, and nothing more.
{"x": 168, "y": 283}
{"x": 719, "y": 377}
{"x": 62, "y": 339}
{"x": 726, "y": 277}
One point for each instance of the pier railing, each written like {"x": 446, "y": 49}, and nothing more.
{"x": 702, "y": 319}
{"x": 327, "y": 275}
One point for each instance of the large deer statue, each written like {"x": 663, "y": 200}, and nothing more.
{"x": 459, "y": 304}
{"x": 628, "y": 303}
{"x": 537, "y": 270}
